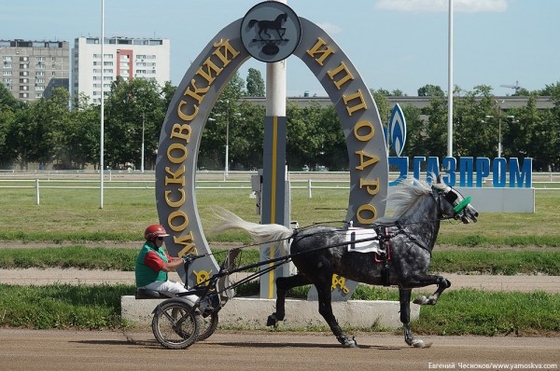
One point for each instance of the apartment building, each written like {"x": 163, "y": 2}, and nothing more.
{"x": 129, "y": 58}
{"x": 29, "y": 66}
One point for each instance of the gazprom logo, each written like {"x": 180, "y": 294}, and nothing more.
{"x": 397, "y": 129}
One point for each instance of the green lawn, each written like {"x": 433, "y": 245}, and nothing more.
{"x": 75, "y": 215}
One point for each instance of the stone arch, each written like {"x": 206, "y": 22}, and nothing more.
{"x": 199, "y": 89}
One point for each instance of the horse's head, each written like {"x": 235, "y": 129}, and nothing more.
{"x": 453, "y": 204}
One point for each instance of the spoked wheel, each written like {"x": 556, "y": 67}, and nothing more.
{"x": 208, "y": 325}
{"x": 176, "y": 325}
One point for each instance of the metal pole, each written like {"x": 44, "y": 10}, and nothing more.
{"x": 142, "y": 159}
{"x": 450, "y": 85}
{"x": 102, "y": 114}
{"x": 499, "y": 136}
{"x": 37, "y": 197}
{"x": 226, "y": 164}
{"x": 273, "y": 206}
{"x": 226, "y": 168}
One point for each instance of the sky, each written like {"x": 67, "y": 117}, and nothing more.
{"x": 394, "y": 44}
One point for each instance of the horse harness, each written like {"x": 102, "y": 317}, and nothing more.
{"x": 383, "y": 256}
{"x": 384, "y": 235}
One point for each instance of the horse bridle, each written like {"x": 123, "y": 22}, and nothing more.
{"x": 451, "y": 195}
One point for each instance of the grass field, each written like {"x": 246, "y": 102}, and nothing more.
{"x": 500, "y": 243}
{"x": 75, "y": 215}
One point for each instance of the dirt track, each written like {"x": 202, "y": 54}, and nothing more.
{"x": 25, "y": 350}
{"x": 28, "y": 350}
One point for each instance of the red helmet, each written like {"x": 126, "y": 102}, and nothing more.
{"x": 154, "y": 231}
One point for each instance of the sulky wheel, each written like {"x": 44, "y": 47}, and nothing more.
{"x": 208, "y": 325}
{"x": 175, "y": 325}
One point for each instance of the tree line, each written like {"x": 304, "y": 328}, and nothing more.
{"x": 66, "y": 135}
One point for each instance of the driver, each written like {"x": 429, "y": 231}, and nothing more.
{"x": 153, "y": 263}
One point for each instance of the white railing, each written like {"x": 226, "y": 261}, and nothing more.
{"x": 205, "y": 180}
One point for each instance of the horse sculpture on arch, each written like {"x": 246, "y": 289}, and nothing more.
{"x": 265, "y": 25}
{"x": 409, "y": 235}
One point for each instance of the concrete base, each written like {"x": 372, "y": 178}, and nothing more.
{"x": 251, "y": 313}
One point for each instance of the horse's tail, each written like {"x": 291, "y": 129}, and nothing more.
{"x": 252, "y": 22}
{"x": 261, "y": 233}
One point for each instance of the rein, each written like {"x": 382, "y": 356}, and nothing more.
{"x": 401, "y": 229}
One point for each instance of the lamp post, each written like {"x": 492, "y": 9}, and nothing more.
{"x": 227, "y": 114}
{"x": 499, "y": 133}
{"x": 142, "y": 150}
{"x": 509, "y": 117}
{"x": 226, "y": 166}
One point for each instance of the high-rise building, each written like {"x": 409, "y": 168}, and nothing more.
{"x": 29, "y": 66}
{"x": 126, "y": 57}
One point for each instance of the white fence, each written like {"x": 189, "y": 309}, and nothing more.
{"x": 205, "y": 180}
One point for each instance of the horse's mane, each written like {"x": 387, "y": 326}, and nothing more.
{"x": 405, "y": 195}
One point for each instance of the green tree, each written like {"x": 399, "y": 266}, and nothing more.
{"x": 334, "y": 153}
{"x": 255, "y": 83}
{"x": 247, "y": 137}
{"x": 476, "y": 119}
{"x": 82, "y": 135}
{"x": 430, "y": 90}
{"x": 380, "y": 97}
{"x": 225, "y": 124}
{"x": 167, "y": 92}
{"x": 133, "y": 118}
{"x": 9, "y": 110}
{"x": 305, "y": 138}
{"x": 39, "y": 131}
{"x": 519, "y": 129}
{"x": 432, "y": 140}
{"x": 414, "y": 131}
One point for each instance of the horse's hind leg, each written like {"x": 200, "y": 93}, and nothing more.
{"x": 325, "y": 309}
{"x": 404, "y": 300}
{"x": 283, "y": 284}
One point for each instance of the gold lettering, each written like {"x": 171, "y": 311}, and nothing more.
{"x": 184, "y": 116}
{"x": 363, "y": 211}
{"x": 224, "y": 50}
{"x": 372, "y": 186}
{"x": 318, "y": 48}
{"x": 178, "y": 147}
{"x": 366, "y": 136}
{"x": 360, "y": 105}
{"x": 178, "y": 203}
{"x": 197, "y": 93}
{"x": 371, "y": 160}
{"x": 345, "y": 78}
{"x": 181, "y": 131}
{"x": 174, "y": 216}
{"x": 187, "y": 242}
{"x": 210, "y": 67}
{"x": 176, "y": 177}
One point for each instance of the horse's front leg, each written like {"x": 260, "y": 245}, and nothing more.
{"x": 441, "y": 283}
{"x": 404, "y": 300}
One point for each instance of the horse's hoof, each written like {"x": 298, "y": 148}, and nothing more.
{"x": 421, "y": 300}
{"x": 272, "y": 320}
{"x": 349, "y": 343}
{"x": 420, "y": 344}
